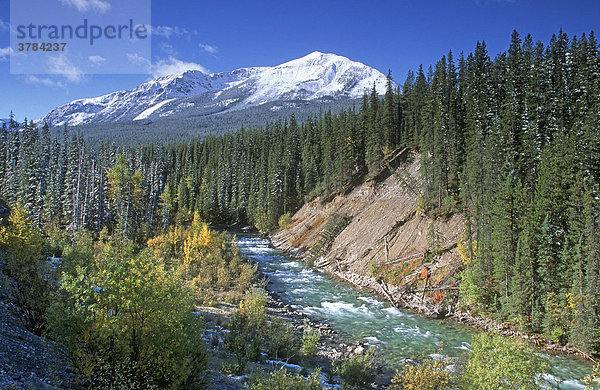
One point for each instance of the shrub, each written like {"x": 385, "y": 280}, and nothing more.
{"x": 246, "y": 328}
{"x": 24, "y": 265}
{"x": 283, "y": 380}
{"x": 280, "y": 341}
{"x": 430, "y": 375}
{"x": 310, "y": 339}
{"x": 496, "y": 362}
{"x": 592, "y": 382}
{"x": 285, "y": 221}
{"x": 357, "y": 371}
{"x": 126, "y": 322}
{"x": 210, "y": 262}
{"x": 254, "y": 307}
{"x": 264, "y": 220}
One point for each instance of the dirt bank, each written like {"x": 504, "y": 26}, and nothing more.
{"x": 388, "y": 246}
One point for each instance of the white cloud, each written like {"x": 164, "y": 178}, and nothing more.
{"x": 209, "y": 48}
{"x": 61, "y": 65}
{"x": 167, "y": 48}
{"x": 45, "y": 81}
{"x": 3, "y": 25}
{"x": 162, "y": 31}
{"x": 5, "y": 52}
{"x": 100, "y": 6}
{"x": 173, "y": 65}
{"x": 168, "y": 32}
{"x": 165, "y": 67}
{"x": 137, "y": 59}
{"x": 97, "y": 60}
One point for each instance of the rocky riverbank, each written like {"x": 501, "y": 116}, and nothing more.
{"x": 333, "y": 345}
{"x": 401, "y": 298}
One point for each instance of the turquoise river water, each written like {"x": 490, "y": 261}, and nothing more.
{"x": 398, "y": 335}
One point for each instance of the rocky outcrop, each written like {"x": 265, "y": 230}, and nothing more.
{"x": 28, "y": 361}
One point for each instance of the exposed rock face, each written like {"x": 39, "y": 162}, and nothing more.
{"x": 388, "y": 246}
{"x": 28, "y": 361}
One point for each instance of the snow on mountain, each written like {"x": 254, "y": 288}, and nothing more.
{"x": 315, "y": 76}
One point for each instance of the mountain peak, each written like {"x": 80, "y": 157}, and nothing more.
{"x": 315, "y": 76}
{"x": 317, "y": 53}
{"x": 317, "y": 57}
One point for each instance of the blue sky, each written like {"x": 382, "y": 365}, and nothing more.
{"x": 223, "y": 35}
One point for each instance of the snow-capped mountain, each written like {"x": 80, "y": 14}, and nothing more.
{"x": 313, "y": 77}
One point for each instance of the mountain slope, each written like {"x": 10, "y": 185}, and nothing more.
{"x": 315, "y": 77}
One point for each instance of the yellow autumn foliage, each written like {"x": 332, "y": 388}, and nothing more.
{"x": 209, "y": 262}
{"x": 592, "y": 382}
{"x": 168, "y": 246}
{"x": 431, "y": 375}
{"x": 23, "y": 262}
{"x": 22, "y": 241}
{"x": 467, "y": 250}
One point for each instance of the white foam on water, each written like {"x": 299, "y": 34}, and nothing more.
{"x": 291, "y": 264}
{"x": 339, "y": 309}
{"x": 291, "y": 278}
{"x": 309, "y": 310}
{"x": 412, "y": 331}
{"x": 571, "y": 384}
{"x": 347, "y": 308}
{"x": 552, "y": 381}
{"x": 298, "y": 291}
{"x": 374, "y": 340}
{"x": 395, "y": 312}
{"x": 311, "y": 273}
{"x": 259, "y": 250}
{"x": 371, "y": 301}
{"x": 464, "y": 346}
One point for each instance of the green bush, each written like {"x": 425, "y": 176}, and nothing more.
{"x": 310, "y": 340}
{"x": 430, "y": 375}
{"x": 592, "y": 382}
{"x": 125, "y": 322}
{"x": 264, "y": 220}
{"x": 283, "y": 380}
{"x": 209, "y": 262}
{"x": 280, "y": 341}
{"x": 285, "y": 221}
{"x": 250, "y": 332}
{"x": 246, "y": 327}
{"x": 496, "y": 362}
{"x": 357, "y": 371}
{"x": 24, "y": 264}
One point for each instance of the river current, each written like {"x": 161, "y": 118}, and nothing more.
{"x": 398, "y": 335}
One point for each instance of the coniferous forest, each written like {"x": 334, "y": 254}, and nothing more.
{"x": 511, "y": 142}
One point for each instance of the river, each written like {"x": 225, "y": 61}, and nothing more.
{"x": 397, "y": 334}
